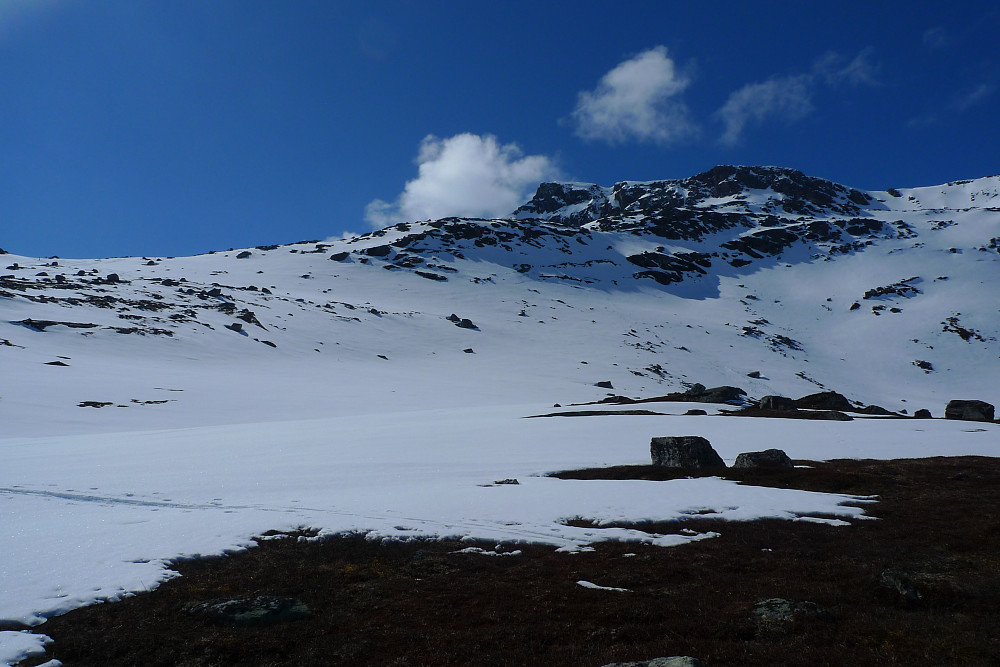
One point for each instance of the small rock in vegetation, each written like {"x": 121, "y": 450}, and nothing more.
{"x": 899, "y": 587}
{"x": 684, "y": 451}
{"x": 672, "y": 661}
{"x": 777, "y": 614}
{"x": 248, "y": 612}
{"x": 769, "y": 458}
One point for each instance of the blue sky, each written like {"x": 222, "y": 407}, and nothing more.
{"x": 177, "y": 127}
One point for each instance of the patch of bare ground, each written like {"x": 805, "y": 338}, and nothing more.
{"x": 421, "y": 603}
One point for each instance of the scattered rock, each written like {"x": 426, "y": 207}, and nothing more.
{"x": 754, "y": 374}
{"x": 249, "y": 612}
{"x": 509, "y": 480}
{"x": 672, "y": 661}
{"x": 112, "y": 279}
{"x": 969, "y": 410}
{"x": 41, "y": 325}
{"x": 684, "y": 451}
{"x": 604, "y": 384}
{"x": 56, "y": 363}
{"x": 431, "y": 276}
{"x": 93, "y": 404}
{"x": 466, "y": 323}
{"x": 695, "y": 412}
{"x": 246, "y": 254}
{"x": 469, "y": 350}
{"x": 340, "y": 256}
{"x": 776, "y": 403}
{"x": 769, "y": 458}
{"x": 235, "y": 326}
{"x": 899, "y": 588}
{"x": 824, "y": 400}
{"x": 923, "y": 413}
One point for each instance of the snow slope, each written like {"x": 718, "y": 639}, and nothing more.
{"x": 186, "y": 404}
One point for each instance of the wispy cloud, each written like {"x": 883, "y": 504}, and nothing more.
{"x": 14, "y": 13}
{"x": 936, "y": 38}
{"x": 638, "y": 100}
{"x": 835, "y": 69}
{"x": 466, "y": 175}
{"x": 787, "y": 98}
{"x": 790, "y": 98}
{"x": 970, "y": 98}
{"x": 959, "y": 103}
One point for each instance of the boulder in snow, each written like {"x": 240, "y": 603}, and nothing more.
{"x": 684, "y": 451}
{"x": 969, "y": 410}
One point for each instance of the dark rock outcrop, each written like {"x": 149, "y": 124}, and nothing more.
{"x": 723, "y": 394}
{"x": 684, "y": 451}
{"x": 824, "y": 400}
{"x": 923, "y": 413}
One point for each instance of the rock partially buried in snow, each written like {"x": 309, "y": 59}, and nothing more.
{"x": 824, "y": 400}
{"x": 969, "y": 410}
{"x": 776, "y": 403}
{"x": 923, "y": 413}
{"x": 769, "y": 458}
{"x": 684, "y": 451}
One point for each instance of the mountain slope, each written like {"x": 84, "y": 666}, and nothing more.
{"x": 653, "y": 286}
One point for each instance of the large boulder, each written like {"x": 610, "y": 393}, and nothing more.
{"x": 769, "y": 458}
{"x": 684, "y": 451}
{"x": 776, "y": 403}
{"x": 969, "y": 410}
{"x": 824, "y": 400}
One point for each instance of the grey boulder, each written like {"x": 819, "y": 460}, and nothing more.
{"x": 684, "y": 451}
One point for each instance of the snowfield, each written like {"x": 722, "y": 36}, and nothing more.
{"x": 193, "y": 403}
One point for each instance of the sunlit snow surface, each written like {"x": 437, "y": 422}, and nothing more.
{"x": 211, "y": 437}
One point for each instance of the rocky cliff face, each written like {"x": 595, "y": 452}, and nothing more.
{"x": 716, "y": 222}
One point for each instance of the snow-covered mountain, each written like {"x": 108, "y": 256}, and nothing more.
{"x": 157, "y": 407}
{"x": 884, "y": 296}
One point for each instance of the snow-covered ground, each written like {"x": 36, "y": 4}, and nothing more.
{"x": 348, "y": 401}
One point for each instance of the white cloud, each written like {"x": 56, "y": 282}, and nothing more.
{"x": 466, "y": 175}
{"x": 636, "y": 100}
{"x": 786, "y": 97}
